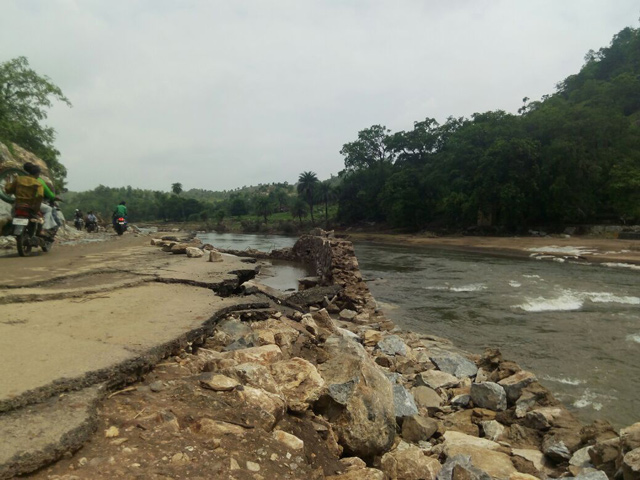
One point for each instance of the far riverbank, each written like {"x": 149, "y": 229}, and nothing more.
{"x": 591, "y": 249}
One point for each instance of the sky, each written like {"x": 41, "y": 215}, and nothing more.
{"x": 219, "y": 94}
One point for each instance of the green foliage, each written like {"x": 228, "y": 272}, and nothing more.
{"x": 572, "y": 157}
{"x": 307, "y": 183}
{"x": 25, "y": 98}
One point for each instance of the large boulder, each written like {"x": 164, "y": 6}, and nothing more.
{"x": 392, "y": 345}
{"x": 418, "y": 428}
{"x": 455, "y": 364}
{"x": 631, "y": 465}
{"x": 359, "y": 399}
{"x": 514, "y": 384}
{"x": 496, "y": 464}
{"x": 299, "y": 381}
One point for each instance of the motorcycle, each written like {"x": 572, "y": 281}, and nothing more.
{"x": 79, "y": 223}
{"x": 27, "y": 228}
{"x": 92, "y": 227}
{"x": 120, "y": 225}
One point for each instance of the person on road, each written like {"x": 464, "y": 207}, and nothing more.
{"x": 30, "y": 190}
{"x": 120, "y": 211}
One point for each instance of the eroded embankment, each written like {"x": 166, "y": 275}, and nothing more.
{"x": 340, "y": 393}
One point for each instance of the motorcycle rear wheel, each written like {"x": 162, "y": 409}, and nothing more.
{"x": 23, "y": 244}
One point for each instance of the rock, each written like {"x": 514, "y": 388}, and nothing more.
{"x": 324, "y": 320}
{"x": 353, "y": 463}
{"x": 290, "y": 441}
{"x": 497, "y": 464}
{"x": 492, "y": 429}
{"x": 112, "y": 432}
{"x": 253, "y": 466}
{"x": 461, "y": 401}
{"x": 179, "y": 248}
{"x": 253, "y": 375}
{"x": 348, "y": 334}
{"x": 215, "y": 256}
{"x": 454, "y": 364}
{"x": 592, "y": 475}
{"x": 371, "y": 337}
{"x": 581, "y": 458}
{"x": 359, "y": 403}
{"x": 310, "y": 324}
{"x": 392, "y": 345}
{"x": 405, "y": 406}
{"x": 408, "y": 462}
{"x": 299, "y": 381}
{"x": 194, "y": 252}
{"x": 263, "y": 355}
{"x": 457, "y": 439}
{"x": 459, "y": 467}
{"x": 489, "y": 395}
{"x": 347, "y": 314}
{"x": 522, "y": 476}
{"x": 461, "y": 421}
{"x": 630, "y": 437}
{"x": 514, "y": 384}
{"x": 604, "y": 455}
{"x": 364, "y": 474}
{"x": 216, "y": 428}
{"x": 156, "y": 386}
{"x": 426, "y": 397}
{"x": 631, "y": 465}
{"x": 436, "y": 379}
{"x": 536, "y": 458}
{"x": 268, "y": 406}
{"x": 217, "y": 382}
{"x": 418, "y": 428}
{"x": 180, "y": 459}
{"x": 555, "y": 449}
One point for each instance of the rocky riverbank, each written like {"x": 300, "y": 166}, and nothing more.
{"x": 321, "y": 385}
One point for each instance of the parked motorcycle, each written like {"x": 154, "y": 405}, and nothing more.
{"x": 27, "y": 228}
{"x": 120, "y": 225}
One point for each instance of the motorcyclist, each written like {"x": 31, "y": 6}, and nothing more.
{"x": 78, "y": 219}
{"x": 120, "y": 211}
{"x": 91, "y": 219}
{"x": 30, "y": 190}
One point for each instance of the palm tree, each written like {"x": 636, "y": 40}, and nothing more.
{"x": 307, "y": 182}
{"x": 176, "y": 188}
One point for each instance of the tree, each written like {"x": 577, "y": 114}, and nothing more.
{"x": 370, "y": 149}
{"x": 307, "y": 182}
{"x": 176, "y": 188}
{"x": 263, "y": 206}
{"x": 327, "y": 193}
{"x": 299, "y": 209}
{"x": 25, "y": 98}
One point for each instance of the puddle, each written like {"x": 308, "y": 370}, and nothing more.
{"x": 283, "y": 275}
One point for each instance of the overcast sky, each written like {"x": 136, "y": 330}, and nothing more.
{"x": 218, "y": 94}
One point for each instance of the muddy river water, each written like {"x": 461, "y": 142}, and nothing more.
{"x": 575, "y": 326}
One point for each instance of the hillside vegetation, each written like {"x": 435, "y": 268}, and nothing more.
{"x": 572, "y": 157}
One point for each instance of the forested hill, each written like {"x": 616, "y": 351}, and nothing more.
{"x": 572, "y": 157}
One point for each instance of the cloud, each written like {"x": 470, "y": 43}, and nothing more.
{"x": 219, "y": 94}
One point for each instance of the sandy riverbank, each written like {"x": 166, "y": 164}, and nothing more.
{"x": 592, "y": 249}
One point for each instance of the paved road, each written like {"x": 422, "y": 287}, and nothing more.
{"x": 86, "y": 312}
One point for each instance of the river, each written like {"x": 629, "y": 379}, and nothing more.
{"x": 577, "y": 327}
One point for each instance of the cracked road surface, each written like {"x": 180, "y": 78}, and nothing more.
{"x": 93, "y": 312}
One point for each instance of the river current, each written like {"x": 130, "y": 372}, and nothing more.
{"x": 576, "y": 327}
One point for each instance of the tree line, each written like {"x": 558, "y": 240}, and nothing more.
{"x": 308, "y": 198}
{"x": 572, "y": 157}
